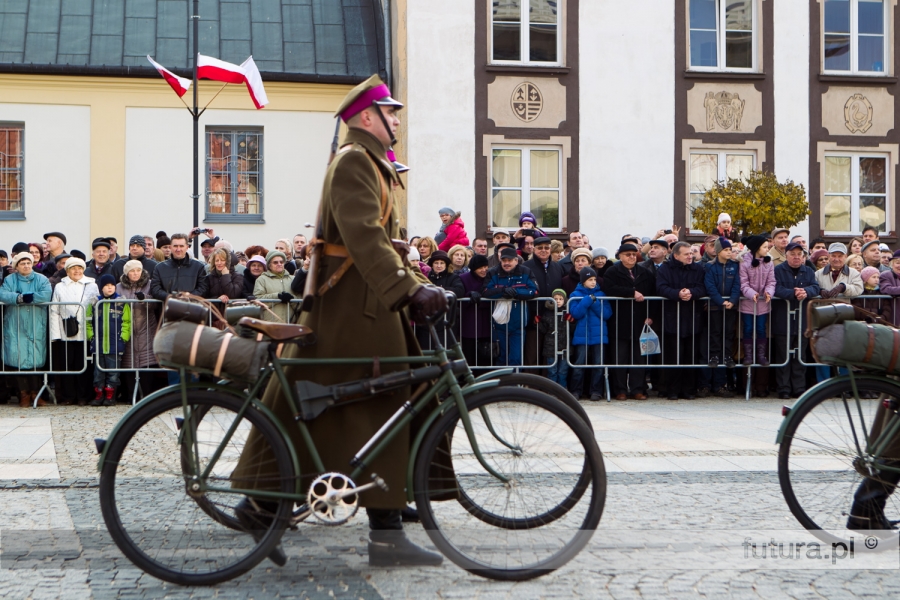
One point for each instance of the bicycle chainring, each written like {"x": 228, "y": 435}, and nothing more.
{"x": 326, "y": 501}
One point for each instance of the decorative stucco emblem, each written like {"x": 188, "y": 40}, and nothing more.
{"x": 723, "y": 109}
{"x": 527, "y": 101}
{"x": 858, "y": 113}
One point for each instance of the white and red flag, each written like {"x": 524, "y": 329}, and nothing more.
{"x": 179, "y": 84}
{"x": 247, "y": 73}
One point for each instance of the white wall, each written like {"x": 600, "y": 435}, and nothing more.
{"x": 57, "y": 174}
{"x": 627, "y": 118}
{"x": 159, "y": 176}
{"x": 440, "y": 114}
{"x": 791, "y": 80}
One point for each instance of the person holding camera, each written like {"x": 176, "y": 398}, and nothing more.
{"x": 67, "y": 325}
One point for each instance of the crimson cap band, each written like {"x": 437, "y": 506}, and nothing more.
{"x": 371, "y": 91}
{"x": 401, "y": 168}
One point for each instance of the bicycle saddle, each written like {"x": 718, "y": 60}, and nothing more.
{"x": 279, "y": 332}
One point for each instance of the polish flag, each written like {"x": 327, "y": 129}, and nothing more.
{"x": 179, "y": 84}
{"x": 247, "y": 73}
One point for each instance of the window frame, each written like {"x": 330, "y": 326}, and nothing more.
{"x": 525, "y": 188}
{"x": 756, "y": 28}
{"x": 854, "y": 157}
{"x": 854, "y": 42}
{"x": 721, "y": 166}
{"x": 233, "y": 216}
{"x": 524, "y": 38}
{"x": 16, "y": 215}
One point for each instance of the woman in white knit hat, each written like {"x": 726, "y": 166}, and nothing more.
{"x": 68, "y": 346}
{"x": 25, "y": 324}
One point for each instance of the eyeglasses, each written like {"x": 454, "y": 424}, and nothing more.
{"x": 277, "y": 262}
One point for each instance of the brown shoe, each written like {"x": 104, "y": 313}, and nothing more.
{"x": 41, "y": 401}
{"x": 640, "y": 397}
{"x": 25, "y": 399}
{"x": 621, "y": 397}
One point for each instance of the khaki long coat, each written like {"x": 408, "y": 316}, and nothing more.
{"x": 362, "y": 316}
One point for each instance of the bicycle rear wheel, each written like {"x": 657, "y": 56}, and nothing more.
{"x": 151, "y": 510}
{"x": 555, "y": 462}
{"x": 822, "y": 458}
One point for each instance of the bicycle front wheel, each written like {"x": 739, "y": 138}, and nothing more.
{"x": 554, "y": 461}
{"x": 822, "y": 459}
{"x": 156, "y": 502}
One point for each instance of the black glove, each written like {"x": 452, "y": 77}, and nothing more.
{"x": 593, "y": 298}
{"x": 475, "y": 296}
{"x": 509, "y": 292}
{"x": 428, "y": 301}
{"x": 27, "y": 298}
{"x": 251, "y": 298}
{"x": 139, "y": 295}
{"x": 285, "y": 297}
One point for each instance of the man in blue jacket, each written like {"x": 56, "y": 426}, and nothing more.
{"x": 509, "y": 280}
{"x": 723, "y": 286}
{"x": 682, "y": 282}
{"x": 794, "y": 281}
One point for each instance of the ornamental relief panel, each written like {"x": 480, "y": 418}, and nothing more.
{"x": 530, "y": 102}
{"x": 852, "y": 111}
{"x": 724, "y": 108}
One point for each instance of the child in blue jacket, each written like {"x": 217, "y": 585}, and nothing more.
{"x": 590, "y": 314}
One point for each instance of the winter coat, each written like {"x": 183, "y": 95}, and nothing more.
{"x": 173, "y": 275}
{"x": 250, "y": 283}
{"x": 785, "y": 282}
{"x": 590, "y": 314}
{"x": 94, "y": 272}
{"x": 144, "y": 322}
{"x": 520, "y": 279}
{"x": 83, "y": 292}
{"x": 268, "y": 286}
{"x": 547, "y": 325}
{"x": 883, "y": 307}
{"x": 548, "y": 276}
{"x": 25, "y": 325}
{"x": 112, "y": 326}
{"x": 849, "y": 277}
{"x": 889, "y": 285}
{"x": 474, "y": 316}
{"x": 448, "y": 281}
{"x": 630, "y": 315}
{"x": 298, "y": 284}
{"x": 570, "y": 281}
{"x": 723, "y": 283}
{"x": 231, "y": 285}
{"x": 757, "y": 280}
{"x": 456, "y": 234}
{"x": 671, "y": 278}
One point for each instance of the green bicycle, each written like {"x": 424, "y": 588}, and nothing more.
{"x": 508, "y": 481}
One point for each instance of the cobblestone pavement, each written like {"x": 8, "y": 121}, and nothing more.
{"x": 691, "y": 486}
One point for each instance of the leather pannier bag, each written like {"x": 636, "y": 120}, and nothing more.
{"x": 189, "y": 345}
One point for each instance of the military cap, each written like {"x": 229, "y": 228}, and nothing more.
{"x": 371, "y": 91}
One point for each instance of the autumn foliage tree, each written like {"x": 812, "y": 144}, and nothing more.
{"x": 756, "y": 204}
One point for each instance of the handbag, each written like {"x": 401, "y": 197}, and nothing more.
{"x": 70, "y": 324}
{"x": 649, "y": 341}
{"x": 502, "y": 312}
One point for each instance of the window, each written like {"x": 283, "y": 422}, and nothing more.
{"x": 709, "y": 166}
{"x": 525, "y": 31}
{"x": 722, "y": 35}
{"x": 526, "y": 180}
{"x": 855, "y": 193}
{"x": 234, "y": 173}
{"x": 12, "y": 159}
{"x": 854, "y": 36}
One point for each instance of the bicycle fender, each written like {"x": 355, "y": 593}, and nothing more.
{"x": 438, "y": 411}
{"x": 817, "y": 388}
{"x": 492, "y": 374}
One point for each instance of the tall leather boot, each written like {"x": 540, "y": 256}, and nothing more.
{"x": 867, "y": 511}
{"x": 762, "y": 346}
{"x": 747, "y": 345}
{"x": 389, "y": 546}
{"x": 257, "y": 522}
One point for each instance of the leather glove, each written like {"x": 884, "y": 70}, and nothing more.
{"x": 139, "y": 295}
{"x": 828, "y": 293}
{"x": 570, "y": 318}
{"x": 27, "y": 298}
{"x": 509, "y": 293}
{"x": 285, "y": 297}
{"x": 537, "y": 319}
{"x": 843, "y": 287}
{"x": 428, "y": 301}
{"x": 475, "y": 296}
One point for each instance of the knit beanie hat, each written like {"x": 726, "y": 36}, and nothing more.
{"x": 722, "y": 243}
{"x": 753, "y": 242}
{"x": 273, "y": 254}
{"x": 601, "y": 251}
{"x": 723, "y": 217}
{"x": 413, "y": 254}
{"x": 586, "y": 273}
{"x": 438, "y": 255}
{"x": 136, "y": 240}
{"x": 131, "y": 265}
{"x": 581, "y": 252}
{"x": 25, "y": 255}
{"x": 559, "y": 292}
{"x": 106, "y": 279}
{"x": 19, "y": 247}
{"x": 74, "y": 262}
{"x": 868, "y": 272}
{"x": 447, "y": 211}
{"x": 477, "y": 261}
{"x": 529, "y": 217}
{"x": 815, "y": 256}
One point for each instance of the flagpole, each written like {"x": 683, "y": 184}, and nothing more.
{"x": 195, "y": 17}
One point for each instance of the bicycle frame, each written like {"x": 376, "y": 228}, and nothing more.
{"x": 446, "y": 382}
{"x": 873, "y": 447}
